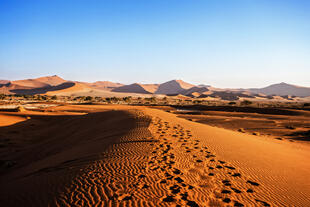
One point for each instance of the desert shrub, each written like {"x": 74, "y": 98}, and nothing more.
{"x": 232, "y": 103}
{"x": 88, "y": 98}
{"x": 151, "y": 99}
{"x": 197, "y": 101}
{"x": 127, "y": 99}
{"x": 246, "y": 102}
{"x": 289, "y": 127}
{"x": 306, "y": 104}
{"x": 54, "y": 97}
{"x": 2, "y": 96}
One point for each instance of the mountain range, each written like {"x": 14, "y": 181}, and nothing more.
{"x": 55, "y": 85}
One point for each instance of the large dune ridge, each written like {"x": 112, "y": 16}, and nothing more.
{"x": 105, "y": 85}
{"x": 173, "y": 87}
{"x": 74, "y": 87}
{"x": 2, "y": 82}
{"x": 51, "y": 80}
{"x": 137, "y": 88}
{"x": 40, "y": 82}
{"x": 91, "y": 155}
{"x": 283, "y": 89}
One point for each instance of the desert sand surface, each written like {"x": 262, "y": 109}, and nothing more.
{"x": 92, "y": 155}
{"x": 277, "y": 123}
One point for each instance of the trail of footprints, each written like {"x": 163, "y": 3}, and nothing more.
{"x": 179, "y": 192}
{"x": 179, "y": 172}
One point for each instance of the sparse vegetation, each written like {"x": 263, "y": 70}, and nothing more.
{"x": 246, "y": 102}
{"x": 306, "y": 104}
{"x": 88, "y": 98}
{"x": 163, "y": 101}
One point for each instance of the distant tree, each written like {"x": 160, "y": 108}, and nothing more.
{"x": 232, "y": 103}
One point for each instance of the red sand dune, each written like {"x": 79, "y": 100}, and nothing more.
{"x": 137, "y": 156}
{"x": 137, "y": 88}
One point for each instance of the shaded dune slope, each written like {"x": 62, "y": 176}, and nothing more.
{"x": 33, "y": 91}
{"x": 136, "y": 88}
{"x": 51, "y": 151}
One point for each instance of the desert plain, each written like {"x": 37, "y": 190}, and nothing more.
{"x": 124, "y": 155}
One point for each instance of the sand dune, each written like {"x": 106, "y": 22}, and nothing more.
{"x": 137, "y": 156}
{"x": 29, "y": 83}
{"x": 137, "y": 88}
{"x": 51, "y": 80}
{"x": 283, "y": 89}
{"x": 75, "y": 87}
{"x": 7, "y": 120}
{"x": 105, "y": 85}
{"x": 40, "y": 82}
{"x": 173, "y": 87}
{"x": 33, "y": 86}
{"x": 2, "y": 82}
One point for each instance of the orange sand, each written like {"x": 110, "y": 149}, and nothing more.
{"x": 138, "y": 156}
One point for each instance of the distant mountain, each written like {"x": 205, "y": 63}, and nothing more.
{"x": 283, "y": 89}
{"x": 173, "y": 87}
{"x": 137, "y": 88}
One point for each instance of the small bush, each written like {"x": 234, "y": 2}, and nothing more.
{"x": 88, "y": 98}
{"x": 246, "y": 102}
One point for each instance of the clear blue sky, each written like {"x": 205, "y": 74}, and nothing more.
{"x": 225, "y": 43}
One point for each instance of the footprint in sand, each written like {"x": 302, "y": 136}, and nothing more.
{"x": 226, "y": 191}
{"x": 168, "y": 199}
{"x": 238, "y": 204}
{"x": 236, "y": 190}
{"x": 226, "y": 182}
{"x": 250, "y": 190}
{"x": 262, "y": 202}
{"x": 124, "y": 197}
{"x": 175, "y": 189}
{"x": 226, "y": 200}
{"x": 253, "y": 183}
{"x": 236, "y": 175}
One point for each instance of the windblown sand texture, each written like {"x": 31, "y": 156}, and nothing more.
{"x": 138, "y": 156}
